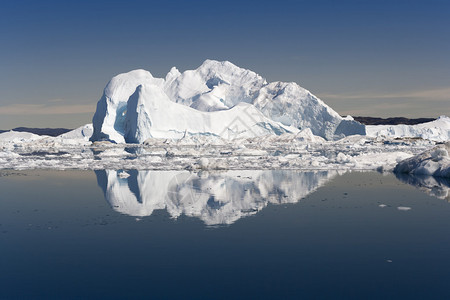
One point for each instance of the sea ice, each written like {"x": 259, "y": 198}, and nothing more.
{"x": 434, "y": 162}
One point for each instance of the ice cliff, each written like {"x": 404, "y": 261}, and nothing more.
{"x": 218, "y": 98}
{"x": 151, "y": 114}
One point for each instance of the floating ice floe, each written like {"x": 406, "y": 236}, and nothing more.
{"x": 404, "y": 208}
{"x": 433, "y": 162}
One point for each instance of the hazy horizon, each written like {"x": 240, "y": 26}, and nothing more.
{"x": 383, "y": 59}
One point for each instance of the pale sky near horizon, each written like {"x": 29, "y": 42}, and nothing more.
{"x": 367, "y": 58}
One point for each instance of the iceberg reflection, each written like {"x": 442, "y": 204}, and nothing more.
{"x": 434, "y": 186}
{"x": 216, "y": 198}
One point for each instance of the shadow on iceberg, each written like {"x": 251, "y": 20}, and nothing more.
{"x": 216, "y": 198}
{"x": 434, "y": 186}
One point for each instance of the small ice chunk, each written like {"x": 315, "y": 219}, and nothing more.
{"x": 404, "y": 208}
{"x": 314, "y": 163}
{"x": 382, "y": 205}
{"x": 203, "y": 162}
{"x": 342, "y": 158}
{"x": 124, "y": 174}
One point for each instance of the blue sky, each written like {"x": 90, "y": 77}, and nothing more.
{"x": 372, "y": 58}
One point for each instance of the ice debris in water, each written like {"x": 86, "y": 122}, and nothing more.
{"x": 404, "y": 208}
{"x": 300, "y": 150}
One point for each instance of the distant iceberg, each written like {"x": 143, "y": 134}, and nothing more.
{"x": 437, "y": 130}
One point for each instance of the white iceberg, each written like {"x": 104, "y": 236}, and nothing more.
{"x": 214, "y": 86}
{"x": 17, "y": 137}
{"x": 81, "y": 133}
{"x": 437, "y": 130}
{"x": 433, "y": 162}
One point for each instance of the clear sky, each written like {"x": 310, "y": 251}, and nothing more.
{"x": 369, "y": 58}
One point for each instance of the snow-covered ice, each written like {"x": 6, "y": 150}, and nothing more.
{"x": 18, "y": 137}
{"x": 83, "y": 133}
{"x": 301, "y": 150}
{"x": 150, "y": 114}
{"x": 434, "y": 162}
{"x": 437, "y": 130}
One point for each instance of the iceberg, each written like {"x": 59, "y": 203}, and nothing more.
{"x": 17, "y": 136}
{"x": 433, "y": 162}
{"x": 129, "y": 103}
{"x": 437, "y": 130}
{"x": 83, "y": 133}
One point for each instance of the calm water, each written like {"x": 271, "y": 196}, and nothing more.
{"x": 258, "y": 234}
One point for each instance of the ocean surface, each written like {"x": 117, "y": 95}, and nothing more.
{"x": 222, "y": 235}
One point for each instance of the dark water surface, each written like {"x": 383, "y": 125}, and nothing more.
{"x": 242, "y": 234}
